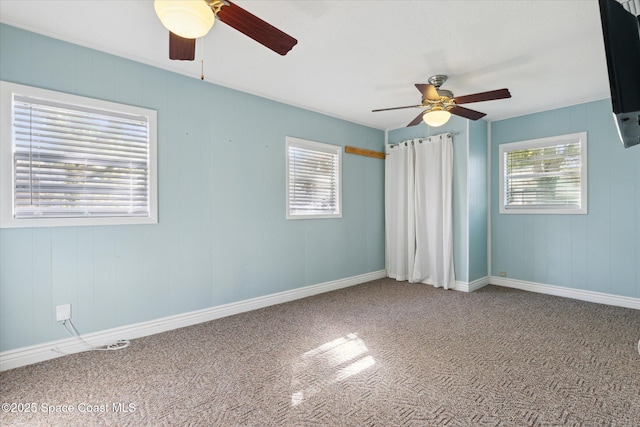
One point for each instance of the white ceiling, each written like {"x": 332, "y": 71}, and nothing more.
{"x": 355, "y": 56}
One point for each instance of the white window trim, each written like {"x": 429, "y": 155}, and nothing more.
{"x": 7, "y": 190}
{"x": 318, "y": 146}
{"x": 580, "y": 137}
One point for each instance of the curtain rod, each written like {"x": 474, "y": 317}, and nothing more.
{"x": 448, "y": 134}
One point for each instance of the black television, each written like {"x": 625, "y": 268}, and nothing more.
{"x": 621, "y": 32}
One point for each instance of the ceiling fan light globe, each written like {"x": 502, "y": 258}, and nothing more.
{"x": 436, "y": 118}
{"x": 189, "y": 19}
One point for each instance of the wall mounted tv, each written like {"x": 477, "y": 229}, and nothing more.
{"x": 621, "y": 31}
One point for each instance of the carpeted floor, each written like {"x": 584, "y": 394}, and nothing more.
{"x": 383, "y": 353}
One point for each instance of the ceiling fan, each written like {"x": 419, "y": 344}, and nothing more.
{"x": 440, "y": 103}
{"x": 188, "y": 20}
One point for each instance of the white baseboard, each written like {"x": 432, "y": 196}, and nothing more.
{"x": 50, "y": 350}
{"x": 579, "y": 294}
{"x": 471, "y": 286}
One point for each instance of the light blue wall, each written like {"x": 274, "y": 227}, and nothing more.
{"x": 599, "y": 251}
{"x": 469, "y": 202}
{"x": 478, "y": 200}
{"x": 222, "y": 235}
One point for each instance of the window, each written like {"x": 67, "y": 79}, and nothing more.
{"x": 67, "y": 160}
{"x": 547, "y": 175}
{"x": 313, "y": 179}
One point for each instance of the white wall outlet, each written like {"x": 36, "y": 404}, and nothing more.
{"x": 503, "y": 274}
{"x": 63, "y": 312}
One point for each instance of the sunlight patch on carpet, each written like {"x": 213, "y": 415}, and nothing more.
{"x": 335, "y": 360}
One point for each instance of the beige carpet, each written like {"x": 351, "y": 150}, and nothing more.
{"x": 383, "y": 353}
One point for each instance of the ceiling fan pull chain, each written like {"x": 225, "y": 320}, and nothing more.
{"x": 202, "y": 58}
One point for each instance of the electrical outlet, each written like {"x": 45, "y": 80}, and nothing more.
{"x": 63, "y": 312}
{"x": 503, "y": 274}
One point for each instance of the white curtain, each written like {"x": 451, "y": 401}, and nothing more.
{"x": 418, "y": 215}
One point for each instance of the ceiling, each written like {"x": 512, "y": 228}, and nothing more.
{"x": 355, "y": 56}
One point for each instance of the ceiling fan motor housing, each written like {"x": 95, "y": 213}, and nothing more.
{"x": 444, "y": 92}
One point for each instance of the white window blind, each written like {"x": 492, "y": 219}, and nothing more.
{"x": 547, "y": 174}
{"x": 313, "y": 179}
{"x": 71, "y": 161}
{"x": 74, "y": 160}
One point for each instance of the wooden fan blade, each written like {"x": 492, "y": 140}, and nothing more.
{"x": 181, "y": 48}
{"x": 254, "y": 27}
{"x": 395, "y": 108}
{"x": 428, "y": 91}
{"x": 467, "y": 113}
{"x": 482, "y": 96}
{"x": 417, "y": 120}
